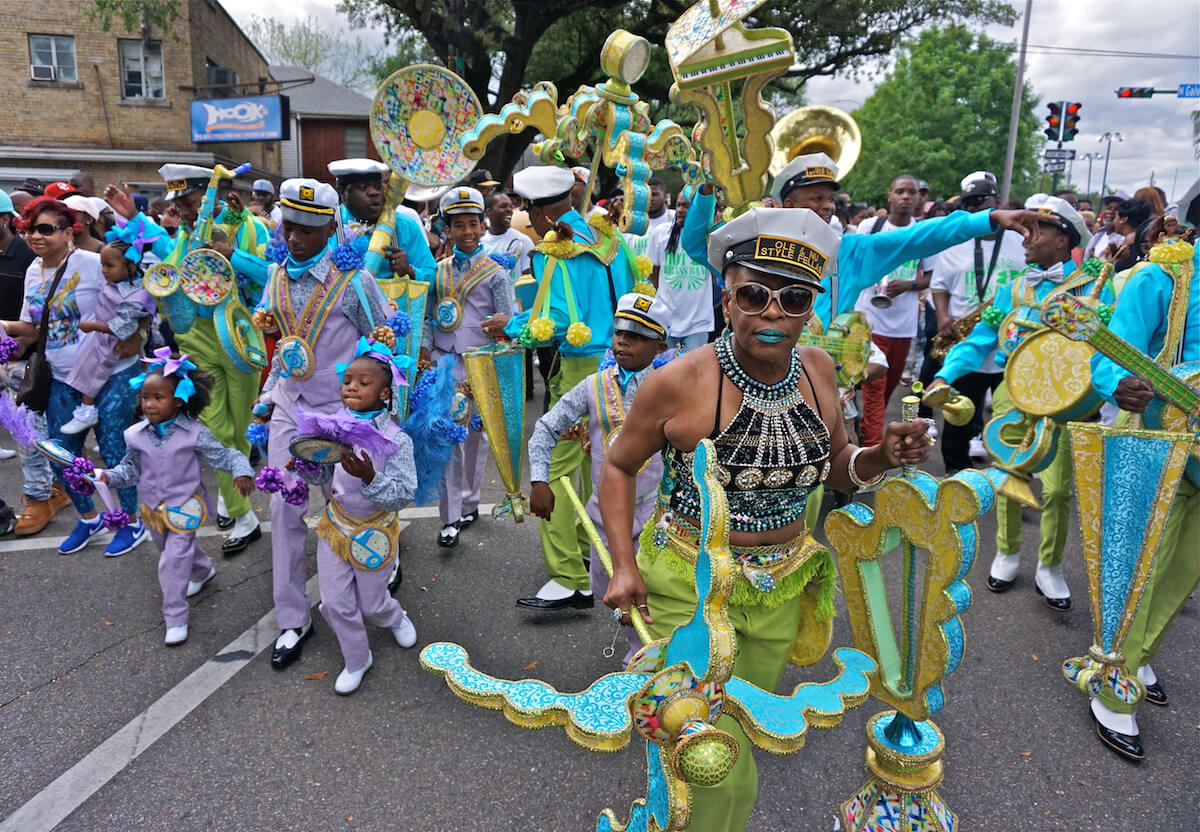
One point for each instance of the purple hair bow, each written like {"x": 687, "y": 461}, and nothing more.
{"x": 163, "y": 362}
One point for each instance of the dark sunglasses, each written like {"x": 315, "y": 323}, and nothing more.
{"x": 46, "y": 229}
{"x": 754, "y": 298}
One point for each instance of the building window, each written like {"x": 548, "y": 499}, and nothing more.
{"x": 52, "y": 58}
{"x": 141, "y": 69}
{"x": 219, "y": 76}
{"x": 354, "y": 139}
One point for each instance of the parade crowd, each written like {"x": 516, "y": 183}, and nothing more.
{"x": 647, "y": 345}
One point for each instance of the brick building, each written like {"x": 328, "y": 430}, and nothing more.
{"x": 329, "y": 122}
{"x": 116, "y": 104}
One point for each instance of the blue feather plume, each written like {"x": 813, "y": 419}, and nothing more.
{"x": 433, "y": 432}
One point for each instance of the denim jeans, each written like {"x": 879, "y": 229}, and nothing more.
{"x": 687, "y": 343}
{"x": 35, "y": 468}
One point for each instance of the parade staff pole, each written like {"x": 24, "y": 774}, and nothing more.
{"x": 1015, "y": 117}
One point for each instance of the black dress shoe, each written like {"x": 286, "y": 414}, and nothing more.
{"x": 397, "y": 576}
{"x": 997, "y": 585}
{"x": 467, "y": 519}
{"x": 224, "y": 523}
{"x": 236, "y": 545}
{"x": 576, "y": 600}
{"x": 1060, "y": 604}
{"x": 1128, "y": 746}
{"x": 447, "y": 541}
{"x": 281, "y": 657}
{"x": 1155, "y": 694}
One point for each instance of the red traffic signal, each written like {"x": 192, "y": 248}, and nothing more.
{"x": 1135, "y": 92}
{"x": 1071, "y": 122}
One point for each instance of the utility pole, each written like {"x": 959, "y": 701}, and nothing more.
{"x": 1090, "y": 158}
{"x": 1015, "y": 116}
{"x": 1108, "y": 137}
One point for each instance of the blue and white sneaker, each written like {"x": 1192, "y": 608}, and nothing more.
{"x": 81, "y": 536}
{"x": 126, "y": 539}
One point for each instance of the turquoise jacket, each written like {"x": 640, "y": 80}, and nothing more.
{"x": 862, "y": 259}
{"x": 1141, "y": 319}
{"x": 968, "y": 355}
{"x": 595, "y": 289}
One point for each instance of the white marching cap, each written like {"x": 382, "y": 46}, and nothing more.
{"x": 642, "y": 315}
{"x": 307, "y": 201}
{"x": 789, "y": 242}
{"x": 543, "y": 184}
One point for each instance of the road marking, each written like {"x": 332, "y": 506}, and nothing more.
{"x": 69, "y": 791}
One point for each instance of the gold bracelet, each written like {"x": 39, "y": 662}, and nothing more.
{"x": 854, "y": 478}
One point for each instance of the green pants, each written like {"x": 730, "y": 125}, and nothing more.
{"x": 764, "y": 640}
{"x": 1056, "y": 499}
{"x": 229, "y": 413}
{"x": 1174, "y": 578}
{"x": 564, "y": 543}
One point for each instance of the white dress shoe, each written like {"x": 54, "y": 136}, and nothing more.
{"x": 348, "y": 682}
{"x": 1003, "y": 571}
{"x": 1049, "y": 582}
{"x": 176, "y": 635}
{"x": 405, "y": 634}
{"x": 194, "y": 587}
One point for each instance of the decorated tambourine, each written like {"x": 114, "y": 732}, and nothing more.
{"x": 295, "y": 358}
{"x": 187, "y": 517}
{"x": 317, "y": 449}
{"x": 447, "y": 314}
{"x": 54, "y": 452}
{"x": 161, "y": 280}
{"x": 206, "y": 276}
{"x": 460, "y": 407}
{"x": 241, "y": 340}
{"x": 371, "y": 548}
{"x": 418, "y": 119}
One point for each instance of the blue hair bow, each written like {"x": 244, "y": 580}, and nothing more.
{"x": 162, "y": 362}
{"x": 133, "y": 233}
{"x": 398, "y": 364}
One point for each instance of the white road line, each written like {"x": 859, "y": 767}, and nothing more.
{"x": 69, "y": 791}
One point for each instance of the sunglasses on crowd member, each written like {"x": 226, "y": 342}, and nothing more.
{"x": 754, "y": 298}
{"x": 46, "y": 229}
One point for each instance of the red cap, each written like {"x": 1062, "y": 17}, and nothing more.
{"x": 59, "y": 190}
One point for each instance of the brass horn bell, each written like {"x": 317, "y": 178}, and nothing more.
{"x": 816, "y": 129}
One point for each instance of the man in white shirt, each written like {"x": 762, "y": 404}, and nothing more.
{"x": 684, "y": 286}
{"x": 891, "y": 307}
{"x": 1098, "y": 245}
{"x": 502, "y": 237}
{"x": 964, "y": 276}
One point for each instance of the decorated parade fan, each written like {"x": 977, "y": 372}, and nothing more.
{"x": 54, "y": 452}
{"x": 206, "y": 277}
{"x": 317, "y": 449}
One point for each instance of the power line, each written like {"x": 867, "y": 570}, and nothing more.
{"x": 1043, "y": 49}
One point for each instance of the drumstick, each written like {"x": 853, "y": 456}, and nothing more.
{"x": 589, "y": 527}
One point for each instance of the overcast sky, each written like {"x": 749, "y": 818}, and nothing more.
{"x": 1157, "y": 131}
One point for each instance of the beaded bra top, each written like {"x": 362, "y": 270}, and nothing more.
{"x": 769, "y": 458}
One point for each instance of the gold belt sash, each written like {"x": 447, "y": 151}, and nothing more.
{"x": 367, "y": 543}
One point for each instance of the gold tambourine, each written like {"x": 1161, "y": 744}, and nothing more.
{"x": 206, "y": 277}
{"x": 241, "y": 340}
{"x": 161, "y": 280}
{"x": 295, "y": 358}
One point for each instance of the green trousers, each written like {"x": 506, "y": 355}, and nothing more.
{"x": 764, "y": 641}
{"x": 1174, "y": 578}
{"x": 1056, "y": 499}
{"x": 564, "y": 543}
{"x": 229, "y": 413}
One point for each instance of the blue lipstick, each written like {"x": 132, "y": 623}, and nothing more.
{"x": 769, "y": 336}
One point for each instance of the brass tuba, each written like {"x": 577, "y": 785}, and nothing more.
{"x": 816, "y": 129}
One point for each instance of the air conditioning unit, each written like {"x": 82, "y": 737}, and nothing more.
{"x": 219, "y": 76}
{"x": 39, "y": 72}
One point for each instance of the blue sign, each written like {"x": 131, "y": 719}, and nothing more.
{"x": 1189, "y": 91}
{"x": 263, "y": 118}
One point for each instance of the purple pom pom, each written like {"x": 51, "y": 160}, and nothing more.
{"x": 258, "y": 434}
{"x": 401, "y": 324}
{"x": 269, "y": 479}
{"x": 114, "y": 520}
{"x": 8, "y": 348}
{"x": 346, "y": 258}
{"x": 297, "y": 495}
{"x": 303, "y": 466}
{"x": 76, "y": 475}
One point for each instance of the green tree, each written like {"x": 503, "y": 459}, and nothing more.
{"x": 500, "y": 46}
{"x": 130, "y": 15}
{"x": 312, "y": 45}
{"x": 942, "y": 113}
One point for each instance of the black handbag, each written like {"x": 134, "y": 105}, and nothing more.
{"x": 34, "y": 391}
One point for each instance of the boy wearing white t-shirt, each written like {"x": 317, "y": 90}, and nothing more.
{"x": 501, "y": 237}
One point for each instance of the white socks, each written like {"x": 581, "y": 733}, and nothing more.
{"x": 1051, "y": 582}
{"x": 221, "y": 510}
{"x": 1146, "y": 675}
{"x": 1004, "y": 567}
{"x": 1113, "y": 721}
{"x": 245, "y": 524}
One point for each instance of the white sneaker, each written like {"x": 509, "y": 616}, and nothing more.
{"x": 176, "y": 636}
{"x": 976, "y": 450}
{"x": 405, "y": 634}
{"x": 7, "y": 453}
{"x": 82, "y": 418}
{"x": 348, "y": 682}
{"x": 194, "y": 587}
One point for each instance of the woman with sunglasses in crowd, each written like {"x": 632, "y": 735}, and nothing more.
{"x": 773, "y": 414}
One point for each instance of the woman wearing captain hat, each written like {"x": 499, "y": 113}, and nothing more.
{"x": 773, "y": 414}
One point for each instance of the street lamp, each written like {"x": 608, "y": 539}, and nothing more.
{"x": 1108, "y": 137}
{"x": 1090, "y": 158}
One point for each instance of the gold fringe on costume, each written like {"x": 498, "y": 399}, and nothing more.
{"x": 337, "y": 528}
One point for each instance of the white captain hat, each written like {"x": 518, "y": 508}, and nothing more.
{"x": 460, "y": 200}
{"x": 307, "y": 201}
{"x": 347, "y": 171}
{"x": 543, "y": 184}
{"x": 1058, "y": 212}
{"x": 642, "y": 315}
{"x": 790, "y": 242}
{"x": 183, "y": 179}
{"x": 809, "y": 169}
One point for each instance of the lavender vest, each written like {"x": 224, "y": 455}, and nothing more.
{"x": 336, "y": 342}
{"x": 110, "y": 298}
{"x": 347, "y": 489}
{"x": 476, "y": 306}
{"x": 171, "y": 471}
{"x": 647, "y": 480}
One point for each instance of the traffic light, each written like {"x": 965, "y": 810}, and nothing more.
{"x": 1071, "y": 121}
{"x": 1135, "y": 92}
{"x": 1054, "y": 120}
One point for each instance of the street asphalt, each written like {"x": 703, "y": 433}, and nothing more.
{"x": 82, "y": 656}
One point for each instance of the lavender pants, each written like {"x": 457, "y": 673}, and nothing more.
{"x": 180, "y": 561}
{"x": 350, "y": 598}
